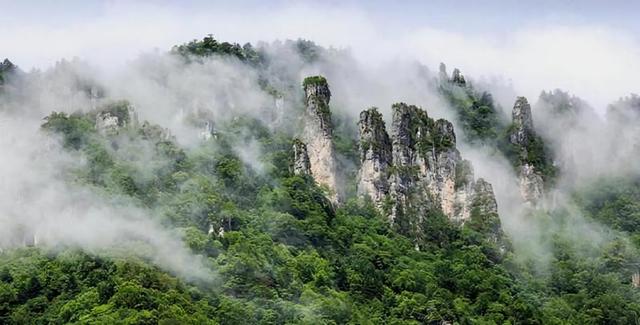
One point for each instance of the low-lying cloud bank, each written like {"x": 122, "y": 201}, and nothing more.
{"x": 593, "y": 61}
{"x": 39, "y": 205}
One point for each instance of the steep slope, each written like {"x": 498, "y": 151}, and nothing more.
{"x": 417, "y": 170}
{"x": 375, "y": 157}
{"x": 522, "y": 136}
{"x": 517, "y": 141}
{"x": 282, "y": 254}
{"x": 318, "y": 135}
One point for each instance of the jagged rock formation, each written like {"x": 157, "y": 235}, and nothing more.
{"x": 417, "y": 169}
{"x": 531, "y": 184}
{"x": 115, "y": 116}
{"x": 375, "y": 157}
{"x": 484, "y": 199}
{"x": 318, "y": 135}
{"x": 301, "y": 164}
{"x": 523, "y": 123}
{"x": 457, "y": 77}
{"x": 522, "y": 136}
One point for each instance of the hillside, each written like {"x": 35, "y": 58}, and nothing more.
{"x": 219, "y": 183}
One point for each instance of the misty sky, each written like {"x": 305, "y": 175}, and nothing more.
{"x": 589, "y": 48}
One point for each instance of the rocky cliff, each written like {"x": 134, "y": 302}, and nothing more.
{"x": 375, "y": 157}
{"x": 522, "y": 120}
{"x": 318, "y": 135}
{"x": 301, "y": 163}
{"x": 522, "y": 136}
{"x": 417, "y": 169}
{"x": 113, "y": 117}
{"x": 456, "y": 76}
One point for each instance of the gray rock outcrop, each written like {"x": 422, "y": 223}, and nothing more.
{"x": 522, "y": 119}
{"x": 318, "y": 135}
{"x": 417, "y": 169}
{"x": 522, "y": 136}
{"x": 375, "y": 157}
{"x": 531, "y": 184}
{"x": 301, "y": 163}
{"x": 114, "y": 117}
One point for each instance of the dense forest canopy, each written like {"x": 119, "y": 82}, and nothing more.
{"x": 276, "y": 250}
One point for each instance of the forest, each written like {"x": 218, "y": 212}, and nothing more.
{"x": 277, "y": 251}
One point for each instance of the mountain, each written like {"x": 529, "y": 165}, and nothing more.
{"x": 227, "y": 184}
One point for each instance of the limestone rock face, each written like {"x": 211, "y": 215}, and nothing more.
{"x": 409, "y": 124}
{"x": 375, "y": 156}
{"x": 114, "y": 117}
{"x": 317, "y": 97}
{"x": 522, "y": 135}
{"x": 439, "y": 168}
{"x": 485, "y": 199}
{"x": 417, "y": 169}
{"x": 531, "y": 184}
{"x": 301, "y": 164}
{"x": 318, "y": 135}
{"x": 523, "y": 123}
{"x": 106, "y": 123}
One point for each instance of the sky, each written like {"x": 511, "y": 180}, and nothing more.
{"x": 589, "y": 48}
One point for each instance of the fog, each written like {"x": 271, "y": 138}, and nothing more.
{"x": 595, "y": 61}
{"x": 39, "y": 204}
{"x": 365, "y": 67}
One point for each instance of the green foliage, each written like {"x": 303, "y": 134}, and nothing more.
{"x": 209, "y": 46}
{"x": 75, "y": 129}
{"x": 614, "y": 202}
{"x": 539, "y": 156}
{"x": 477, "y": 113}
{"x": 74, "y": 287}
{"x": 286, "y": 256}
{"x": 479, "y": 117}
{"x": 314, "y": 81}
{"x": 308, "y": 50}
{"x": 120, "y": 109}
{"x": 535, "y": 153}
{"x": 283, "y": 254}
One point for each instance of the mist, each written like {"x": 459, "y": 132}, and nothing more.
{"x": 40, "y": 204}
{"x": 538, "y": 52}
{"x": 365, "y": 66}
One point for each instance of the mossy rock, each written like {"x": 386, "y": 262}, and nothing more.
{"x": 315, "y": 81}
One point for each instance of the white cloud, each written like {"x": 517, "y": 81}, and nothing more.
{"x": 594, "y": 62}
